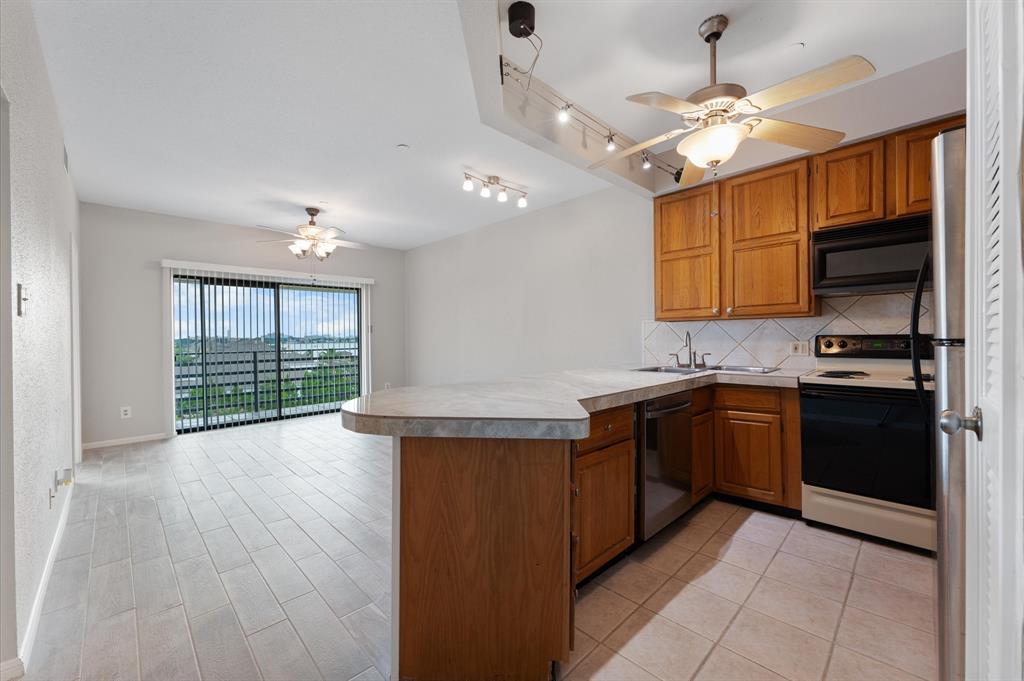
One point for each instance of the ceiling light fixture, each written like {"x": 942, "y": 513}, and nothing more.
{"x": 646, "y": 165}
{"x": 487, "y": 182}
{"x": 611, "y": 142}
{"x": 563, "y": 114}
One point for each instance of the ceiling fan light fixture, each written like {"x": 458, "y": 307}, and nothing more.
{"x": 713, "y": 145}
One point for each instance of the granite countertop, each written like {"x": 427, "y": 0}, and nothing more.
{"x": 552, "y": 406}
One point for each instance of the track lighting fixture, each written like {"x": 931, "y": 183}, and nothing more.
{"x": 646, "y": 165}
{"x": 611, "y": 142}
{"x": 563, "y": 114}
{"x": 503, "y": 189}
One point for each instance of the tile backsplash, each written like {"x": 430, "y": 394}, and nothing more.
{"x": 766, "y": 342}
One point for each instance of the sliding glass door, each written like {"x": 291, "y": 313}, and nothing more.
{"x": 248, "y": 351}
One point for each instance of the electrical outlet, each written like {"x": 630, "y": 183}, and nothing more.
{"x": 387, "y": 386}
{"x": 126, "y": 412}
{"x": 799, "y": 348}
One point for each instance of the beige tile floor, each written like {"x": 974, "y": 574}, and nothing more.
{"x": 246, "y": 553}
{"x": 731, "y": 594}
{"x": 264, "y": 552}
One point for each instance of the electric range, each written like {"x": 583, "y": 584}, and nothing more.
{"x": 867, "y": 454}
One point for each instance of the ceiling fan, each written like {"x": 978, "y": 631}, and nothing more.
{"x": 710, "y": 114}
{"x": 311, "y": 238}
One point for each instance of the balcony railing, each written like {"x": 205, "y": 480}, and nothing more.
{"x": 229, "y": 387}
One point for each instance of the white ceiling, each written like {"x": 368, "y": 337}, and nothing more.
{"x": 597, "y": 53}
{"x": 244, "y": 112}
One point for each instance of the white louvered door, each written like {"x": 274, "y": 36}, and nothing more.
{"x": 995, "y": 340}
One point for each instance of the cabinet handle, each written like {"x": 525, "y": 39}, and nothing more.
{"x": 715, "y": 310}
{"x": 608, "y": 428}
{"x": 728, "y": 311}
{"x": 576, "y": 491}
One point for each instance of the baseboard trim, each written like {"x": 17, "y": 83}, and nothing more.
{"x": 127, "y": 440}
{"x": 11, "y": 669}
{"x": 25, "y": 648}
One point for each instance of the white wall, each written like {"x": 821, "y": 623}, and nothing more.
{"x": 44, "y": 216}
{"x": 563, "y": 287}
{"x": 122, "y": 331}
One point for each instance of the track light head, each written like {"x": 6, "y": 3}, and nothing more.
{"x": 467, "y": 184}
{"x": 502, "y": 196}
{"x": 522, "y": 201}
{"x": 485, "y": 191}
{"x": 563, "y": 114}
{"x": 646, "y": 165}
{"x": 611, "y": 142}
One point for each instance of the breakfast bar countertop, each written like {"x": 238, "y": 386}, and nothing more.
{"x": 549, "y": 406}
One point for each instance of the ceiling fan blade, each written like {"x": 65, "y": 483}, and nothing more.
{"x": 344, "y": 244}
{"x": 659, "y": 100}
{"x": 845, "y": 70}
{"x": 692, "y": 174}
{"x": 277, "y": 241}
{"x": 281, "y": 231}
{"x": 794, "y": 134}
{"x": 637, "y": 147}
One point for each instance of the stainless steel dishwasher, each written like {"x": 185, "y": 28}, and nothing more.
{"x": 666, "y": 489}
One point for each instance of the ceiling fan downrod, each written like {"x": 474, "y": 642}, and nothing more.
{"x": 711, "y": 30}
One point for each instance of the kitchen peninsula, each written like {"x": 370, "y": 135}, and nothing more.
{"x": 484, "y": 518}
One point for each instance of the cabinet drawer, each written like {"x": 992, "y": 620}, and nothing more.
{"x": 607, "y": 427}
{"x": 741, "y": 397}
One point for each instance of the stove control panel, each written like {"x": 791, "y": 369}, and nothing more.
{"x": 869, "y": 346}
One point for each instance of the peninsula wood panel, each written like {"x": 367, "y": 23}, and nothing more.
{"x": 748, "y": 455}
{"x": 686, "y": 254}
{"x": 484, "y": 580}
{"x": 765, "y": 249}
{"x": 849, "y": 185}
{"x": 605, "y": 505}
{"x": 909, "y": 168}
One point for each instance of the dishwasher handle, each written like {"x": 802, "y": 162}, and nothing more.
{"x": 671, "y": 410}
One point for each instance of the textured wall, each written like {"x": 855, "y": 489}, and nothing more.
{"x": 44, "y": 216}
{"x": 123, "y": 341}
{"x": 765, "y": 342}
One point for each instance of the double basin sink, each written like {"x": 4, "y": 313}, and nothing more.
{"x": 714, "y": 367}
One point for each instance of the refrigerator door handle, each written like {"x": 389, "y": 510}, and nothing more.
{"x": 950, "y": 422}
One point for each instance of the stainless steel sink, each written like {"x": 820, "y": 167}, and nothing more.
{"x": 670, "y": 370}
{"x": 745, "y": 370}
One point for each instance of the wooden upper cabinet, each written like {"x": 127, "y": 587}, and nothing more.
{"x": 849, "y": 185}
{"x": 686, "y": 255}
{"x": 748, "y": 455}
{"x": 765, "y": 246}
{"x": 909, "y": 166}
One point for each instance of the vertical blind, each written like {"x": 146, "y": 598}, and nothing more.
{"x": 251, "y": 347}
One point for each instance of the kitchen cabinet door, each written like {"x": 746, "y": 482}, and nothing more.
{"x": 748, "y": 455}
{"x": 605, "y": 503}
{"x": 702, "y": 472}
{"x": 849, "y": 185}
{"x": 765, "y": 248}
{"x": 910, "y": 168}
{"x": 686, "y": 255}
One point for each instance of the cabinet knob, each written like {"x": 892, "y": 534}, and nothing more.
{"x": 728, "y": 311}
{"x": 715, "y": 310}
{"x": 608, "y": 428}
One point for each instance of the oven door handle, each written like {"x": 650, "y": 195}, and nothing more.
{"x": 861, "y": 394}
{"x": 671, "y": 410}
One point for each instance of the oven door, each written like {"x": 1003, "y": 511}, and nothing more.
{"x": 868, "y": 441}
{"x": 878, "y": 258}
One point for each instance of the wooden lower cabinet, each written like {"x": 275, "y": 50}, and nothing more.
{"x": 702, "y": 473}
{"x": 605, "y": 505}
{"x": 748, "y": 455}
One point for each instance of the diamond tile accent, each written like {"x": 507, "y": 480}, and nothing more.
{"x": 769, "y": 343}
{"x": 880, "y": 314}
{"x": 661, "y": 342}
{"x": 739, "y": 329}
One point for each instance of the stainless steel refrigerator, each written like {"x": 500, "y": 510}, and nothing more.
{"x": 948, "y": 282}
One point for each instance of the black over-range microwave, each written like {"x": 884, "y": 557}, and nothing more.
{"x": 880, "y": 257}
